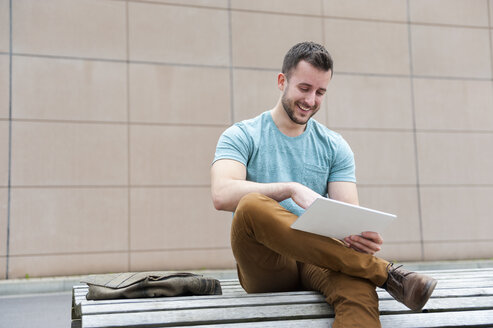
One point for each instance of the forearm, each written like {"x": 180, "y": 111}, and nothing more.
{"x": 227, "y": 195}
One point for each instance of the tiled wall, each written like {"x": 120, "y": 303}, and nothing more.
{"x": 110, "y": 111}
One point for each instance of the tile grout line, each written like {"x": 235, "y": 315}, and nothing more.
{"x": 323, "y": 42}
{"x": 415, "y": 135}
{"x": 9, "y": 182}
{"x": 490, "y": 24}
{"x": 305, "y": 15}
{"x": 127, "y": 22}
{"x": 231, "y": 70}
{"x": 190, "y": 65}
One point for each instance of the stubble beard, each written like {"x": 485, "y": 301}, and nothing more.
{"x": 289, "y": 107}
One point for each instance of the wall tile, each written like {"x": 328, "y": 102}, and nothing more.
{"x": 368, "y": 47}
{"x": 202, "y": 38}
{"x": 255, "y": 91}
{"x": 451, "y": 51}
{"x": 173, "y": 94}
{"x": 458, "y": 250}
{"x": 383, "y": 157}
{"x": 194, "y": 259}
{"x": 367, "y": 9}
{"x": 168, "y": 218}
{"x": 89, "y": 28}
{"x": 3, "y": 267}
{"x": 45, "y": 88}
{"x": 307, "y": 7}
{"x": 454, "y": 12}
{"x": 369, "y": 102}
{"x": 202, "y": 3}
{"x": 455, "y": 158}
{"x": 4, "y": 86}
{"x": 68, "y": 220}
{"x": 262, "y": 40}
{"x": 398, "y": 252}
{"x": 401, "y": 201}
{"x": 69, "y": 154}
{"x": 453, "y": 104}
{"x": 65, "y": 265}
{"x": 4, "y": 26}
{"x": 4, "y": 153}
{"x": 172, "y": 155}
{"x": 447, "y": 207}
{"x": 3, "y": 223}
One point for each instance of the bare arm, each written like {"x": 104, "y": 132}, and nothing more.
{"x": 368, "y": 242}
{"x": 229, "y": 185}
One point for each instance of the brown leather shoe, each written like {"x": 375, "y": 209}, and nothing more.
{"x": 410, "y": 288}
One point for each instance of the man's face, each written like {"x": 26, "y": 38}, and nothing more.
{"x": 304, "y": 92}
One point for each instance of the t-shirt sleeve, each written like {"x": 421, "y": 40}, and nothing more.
{"x": 343, "y": 166}
{"x": 233, "y": 144}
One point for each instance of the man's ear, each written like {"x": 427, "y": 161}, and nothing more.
{"x": 281, "y": 81}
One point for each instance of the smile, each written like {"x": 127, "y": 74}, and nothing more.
{"x": 306, "y": 109}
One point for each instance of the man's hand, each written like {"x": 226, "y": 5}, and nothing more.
{"x": 303, "y": 196}
{"x": 368, "y": 242}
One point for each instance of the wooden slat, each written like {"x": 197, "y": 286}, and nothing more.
{"x": 457, "y": 291}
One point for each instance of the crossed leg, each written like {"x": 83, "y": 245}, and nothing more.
{"x": 272, "y": 257}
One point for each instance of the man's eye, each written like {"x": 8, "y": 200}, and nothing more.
{"x": 304, "y": 89}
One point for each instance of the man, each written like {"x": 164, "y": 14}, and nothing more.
{"x": 269, "y": 169}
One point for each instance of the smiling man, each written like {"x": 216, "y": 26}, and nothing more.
{"x": 269, "y": 169}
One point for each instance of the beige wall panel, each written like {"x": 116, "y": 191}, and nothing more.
{"x": 173, "y": 94}
{"x": 89, "y": 28}
{"x": 178, "y": 34}
{"x": 202, "y": 3}
{"x": 3, "y": 222}
{"x": 453, "y": 104}
{"x": 194, "y": 259}
{"x": 451, "y": 51}
{"x": 66, "y": 220}
{"x": 307, "y": 7}
{"x": 254, "y": 92}
{"x": 4, "y": 153}
{"x": 393, "y": 10}
{"x": 398, "y": 252}
{"x": 401, "y": 201}
{"x": 66, "y": 265}
{"x": 466, "y": 218}
{"x": 368, "y": 47}
{"x": 383, "y": 157}
{"x": 455, "y": 158}
{"x": 4, "y": 26}
{"x": 69, "y": 154}
{"x": 262, "y": 40}
{"x": 458, "y": 250}
{"x": 369, "y": 102}
{"x": 170, "y": 218}
{"x": 45, "y": 88}
{"x": 454, "y": 12}
{"x": 172, "y": 155}
{"x": 3, "y": 267}
{"x": 4, "y": 86}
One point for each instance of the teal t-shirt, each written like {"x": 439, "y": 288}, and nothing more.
{"x": 314, "y": 158}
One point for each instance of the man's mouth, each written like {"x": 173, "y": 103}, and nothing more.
{"x": 303, "y": 108}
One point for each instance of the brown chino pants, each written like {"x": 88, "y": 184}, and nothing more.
{"x": 273, "y": 257}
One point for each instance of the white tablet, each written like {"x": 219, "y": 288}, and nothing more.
{"x": 331, "y": 218}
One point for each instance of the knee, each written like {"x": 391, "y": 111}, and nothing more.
{"x": 250, "y": 202}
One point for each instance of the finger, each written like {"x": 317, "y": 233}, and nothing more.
{"x": 365, "y": 244}
{"x": 374, "y": 236}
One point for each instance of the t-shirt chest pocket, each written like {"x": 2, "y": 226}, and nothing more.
{"x": 315, "y": 177}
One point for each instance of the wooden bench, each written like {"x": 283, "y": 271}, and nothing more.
{"x": 462, "y": 298}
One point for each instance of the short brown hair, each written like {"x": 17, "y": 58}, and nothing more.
{"x": 311, "y": 52}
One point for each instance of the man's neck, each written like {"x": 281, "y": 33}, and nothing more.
{"x": 284, "y": 122}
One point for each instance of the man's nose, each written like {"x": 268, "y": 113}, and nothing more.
{"x": 310, "y": 99}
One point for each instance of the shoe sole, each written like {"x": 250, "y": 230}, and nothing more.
{"x": 428, "y": 290}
